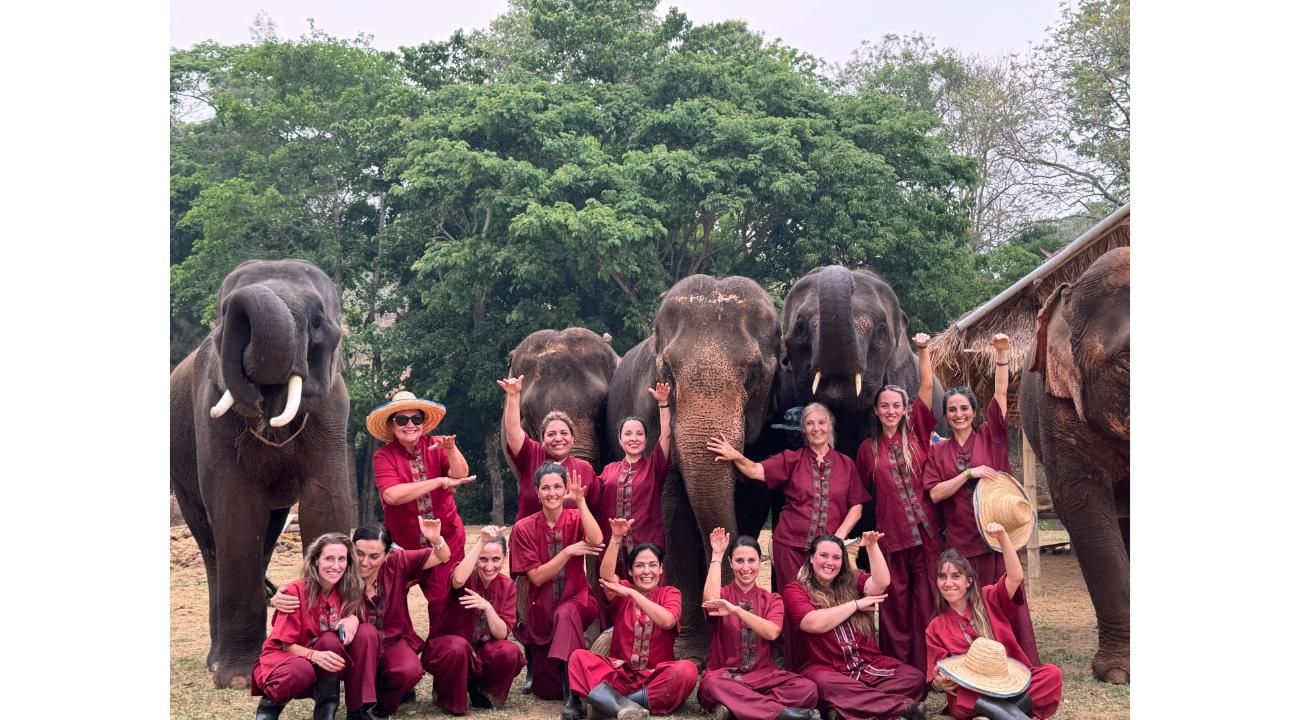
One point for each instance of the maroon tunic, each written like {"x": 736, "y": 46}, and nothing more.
{"x": 985, "y": 446}
{"x": 532, "y": 455}
{"x": 951, "y": 634}
{"x": 300, "y": 627}
{"x": 388, "y": 610}
{"x": 633, "y": 491}
{"x": 817, "y": 495}
{"x": 640, "y": 655}
{"x": 394, "y": 466}
{"x": 740, "y": 674}
{"x": 843, "y": 648}
{"x": 463, "y": 649}
{"x": 471, "y": 624}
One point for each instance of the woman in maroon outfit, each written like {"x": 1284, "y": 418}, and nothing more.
{"x": 640, "y": 672}
{"x": 304, "y": 654}
{"x": 741, "y": 679}
{"x": 955, "y": 467}
{"x": 892, "y": 465}
{"x": 547, "y": 548}
{"x": 966, "y": 611}
{"x": 527, "y": 454}
{"x": 417, "y": 476}
{"x": 829, "y": 604}
{"x": 469, "y": 657}
{"x": 386, "y": 575}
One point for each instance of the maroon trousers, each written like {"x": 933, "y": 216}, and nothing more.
{"x": 869, "y": 696}
{"x": 1044, "y": 694}
{"x": 399, "y": 671}
{"x": 906, "y": 612}
{"x": 571, "y": 619}
{"x": 453, "y": 662}
{"x": 988, "y": 568}
{"x": 757, "y": 695}
{"x": 297, "y": 678}
{"x": 667, "y": 685}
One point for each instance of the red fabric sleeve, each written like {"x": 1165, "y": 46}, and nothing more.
{"x": 996, "y": 423}
{"x": 998, "y": 601}
{"x": 863, "y": 577}
{"x": 934, "y": 648}
{"x": 672, "y": 602}
{"x": 444, "y": 462}
{"x": 797, "y": 602}
{"x": 288, "y": 627}
{"x": 778, "y": 468}
{"x": 506, "y": 607}
{"x": 922, "y": 422}
{"x": 386, "y": 474}
{"x": 410, "y": 563}
{"x": 524, "y": 554}
{"x": 658, "y": 469}
{"x": 930, "y": 475}
{"x": 858, "y": 492}
{"x": 865, "y": 462}
{"x": 775, "y": 609}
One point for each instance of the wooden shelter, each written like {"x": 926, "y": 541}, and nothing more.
{"x": 963, "y": 354}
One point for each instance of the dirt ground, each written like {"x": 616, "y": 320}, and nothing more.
{"x": 1063, "y": 620}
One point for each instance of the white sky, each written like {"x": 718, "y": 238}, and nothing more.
{"x": 829, "y": 29}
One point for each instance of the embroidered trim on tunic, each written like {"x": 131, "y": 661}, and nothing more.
{"x": 554, "y": 545}
{"x": 819, "y": 509}
{"x": 482, "y": 633}
{"x": 424, "y": 503}
{"x": 328, "y": 617}
{"x": 748, "y": 641}
{"x": 906, "y": 489}
{"x": 623, "y": 496}
{"x": 642, "y": 630}
{"x": 377, "y": 606}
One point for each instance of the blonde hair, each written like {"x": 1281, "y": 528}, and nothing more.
{"x": 814, "y": 407}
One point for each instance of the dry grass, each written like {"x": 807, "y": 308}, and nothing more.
{"x": 1062, "y": 614}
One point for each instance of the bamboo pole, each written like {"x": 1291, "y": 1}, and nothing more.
{"x": 1028, "y": 463}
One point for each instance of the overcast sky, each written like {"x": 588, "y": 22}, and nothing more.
{"x": 829, "y": 29}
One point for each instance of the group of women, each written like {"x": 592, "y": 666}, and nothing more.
{"x": 346, "y": 617}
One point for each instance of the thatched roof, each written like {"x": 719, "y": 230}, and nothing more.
{"x": 963, "y": 354}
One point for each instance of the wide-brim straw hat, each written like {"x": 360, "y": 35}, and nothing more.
{"x": 1001, "y": 499}
{"x": 377, "y": 421}
{"x": 986, "y": 669}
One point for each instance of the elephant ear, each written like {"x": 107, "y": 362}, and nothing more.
{"x": 1053, "y": 356}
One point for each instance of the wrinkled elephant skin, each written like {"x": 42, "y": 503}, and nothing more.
{"x": 716, "y": 342}
{"x": 238, "y": 464}
{"x": 1074, "y": 405}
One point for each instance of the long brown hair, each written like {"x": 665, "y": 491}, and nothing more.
{"x": 351, "y": 589}
{"x": 843, "y": 588}
{"x": 974, "y": 598}
{"x": 902, "y": 427}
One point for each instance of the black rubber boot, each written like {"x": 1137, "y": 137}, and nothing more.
{"x": 528, "y": 671}
{"x": 797, "y": 714}
{"x": 362, "y": 714}
{"x": 915, "y": 711}
{"x": 327, "y": 699}
{"x": 1024, "y": 702}
{"x": 572, "y": 704}
{"x": 640, "y": 698}
{"x": 607, "y": 704}
{"x": 267, "y": 710}
{"x": 998, "y": 709}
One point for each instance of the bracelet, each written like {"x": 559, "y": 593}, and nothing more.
{"x": 616, "y": 541}
{"x": 1002, "y": 364}
{"x": 715, "y": 561}
{"x": 441, "y": 544}
{"x": 663, "y": 406}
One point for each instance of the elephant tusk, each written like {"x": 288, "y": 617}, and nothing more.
{"x": 290, "y": 406}
{"x": 857, "y": 384}
{"x": 817, "y": 379}
{"x": 222, "y": 405}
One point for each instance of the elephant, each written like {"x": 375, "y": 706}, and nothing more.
{"x": 716, "y": 342}
{"x": 1074, "y": 406}
{"x": 273, "y": 357}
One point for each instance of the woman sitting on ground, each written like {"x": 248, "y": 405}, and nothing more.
{"x": 740, "y": 680}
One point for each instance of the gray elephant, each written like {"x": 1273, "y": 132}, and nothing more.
{"x": 1074, "y": 405}
{"x": 273, "y": 358}
{"x": 716, "y": 342}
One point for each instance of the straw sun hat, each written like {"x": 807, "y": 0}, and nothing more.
{"x": 1000, "y": 498}
{"x": 986, "y": 669}
{"x": 377, "y": 421}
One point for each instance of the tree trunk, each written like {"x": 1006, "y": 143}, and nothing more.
{"x": 492, "y": 456}
{"x": 367, "y": 493}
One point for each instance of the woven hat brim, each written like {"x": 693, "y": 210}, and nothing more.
{"x": 1020, "y": 535}
{"x": 1016, "y": 682}
{"x": 377, "y": 421}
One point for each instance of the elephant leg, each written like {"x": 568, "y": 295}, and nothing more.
{"x": 197, "y": 519}
{"x": 274, "y": 527}
{"x": 239, "y": 524}
{"x": 685, "y": 568}
{"x": 1086, "y": 506}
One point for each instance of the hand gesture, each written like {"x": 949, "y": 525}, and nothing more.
{"x": 1001, "y": 342}
{"x": 995, "y": 529}
{"x": 581, "y": 548}
{"x": 719, "y": 607}
{"x": 868, "y": 602}
{"x": 451, "y": 483}
{"x": 326, "y": 660}
{"x": 982, "y": 471}
{"x": 619, "y": 527}
{"x": 349, "y": 625}
{"x": 471, "y": 600}
{"x": 723, "y": 449}
{"x": 943, "y": 683}
{"x": 431, "y": 530}
{"x": 447, "y": 442}
{"x": 488, "y": 532}
{"x": 870, "y": 538}
{"x": 284, "y": 602}
{"x": 719, "y": 539}
{"x": 616, "y": 587}
{"x": 512, "y": 386}
{"x": 660, "y": 392}
{"x": 573, "y": 489}
{"x": 922, "y": 340}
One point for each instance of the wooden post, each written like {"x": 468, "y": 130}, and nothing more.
{"x": 1028, "y": 464}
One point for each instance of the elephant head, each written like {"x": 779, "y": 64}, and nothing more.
{"x": 844, "y": 336}
{"x": 1082, "y": 348}
{"x": 277, "y": 337}
{"x": 566, "y": 370}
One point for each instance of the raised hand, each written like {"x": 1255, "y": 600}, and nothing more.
{"x": 573, "y": 489}
{"x": 488, "y": 532}
{"x": 447, "y": 442}
{"x": 471, "y": 600}
{"x": 921, "y": 340}
{"x": 719, "y": 607}
{"x": 616, "y": 587}
{"x": 660, "y": 392}
{"x": 284, "y": 602}
{"x": 582, "y": 547}
{"x": 995, "y": 529}
{"x": 871, "y": 537}
{"x": 619, "y": 527}
{"x": 431, "y": 529}
{"x": 512, "y": 386}
{"x": 723, "y": 449}
{"x": 1001, "y": 342}
{"x": 719, "y": 539}
{"x": 867, "y": 602}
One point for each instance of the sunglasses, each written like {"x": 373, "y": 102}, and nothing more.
{"x": 402, "y": 420}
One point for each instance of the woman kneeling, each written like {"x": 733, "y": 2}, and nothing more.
{"x": 641, "y": 661}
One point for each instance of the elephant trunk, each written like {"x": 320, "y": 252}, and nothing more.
{"x": 835, "y": 349}
{"x": 257, "y": 345}
{"x": 710, "y": 485}
{"x": 585, "y": 442}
